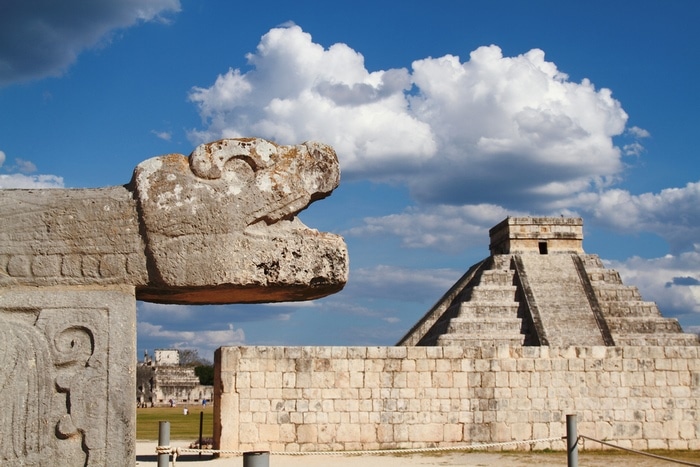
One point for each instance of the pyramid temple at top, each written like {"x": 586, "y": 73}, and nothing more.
{"x": 538, "y": 287}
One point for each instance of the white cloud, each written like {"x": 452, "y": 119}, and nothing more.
{"x": 25, "y": 167}
{"x": 451, "y": 130}
{"x": 30, "y": 181}
{"x": 673, "y": 213}
{"x": 633, "y": 149}
{"x": 672, "y": 281}
{"x": 300, "y": 91}
{"x": 400, "y": 284}
{"x": 638, "y": 132}
{"x": 23, "y": 180}
{"x": 164, "y": 135}
{"x": 43, "y": 37}
{"x": 442, "y": 227}
{"x": 474, "y": 140}
{"x": 205, "y": 341}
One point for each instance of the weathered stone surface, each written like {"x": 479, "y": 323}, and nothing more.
{"x": 67, "y": 385}
{"x": 416, "y": 397}
{"x": 219, "y": 227}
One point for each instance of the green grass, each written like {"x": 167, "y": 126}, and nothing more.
{"x": 181, "y": 426}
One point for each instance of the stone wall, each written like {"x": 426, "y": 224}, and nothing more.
{"x": 347, "y": 398}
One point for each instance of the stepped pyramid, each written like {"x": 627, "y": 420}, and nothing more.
{"x": 538, "y": 287}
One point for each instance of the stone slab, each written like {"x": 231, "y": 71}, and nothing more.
{"x": 67, "y": 376}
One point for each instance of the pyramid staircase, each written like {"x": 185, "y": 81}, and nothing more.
{"x": 631, "y": 320}
{"x": 487, "y": 311}
{"x": 481, "y": 309}
{"x": 560, "y": 299}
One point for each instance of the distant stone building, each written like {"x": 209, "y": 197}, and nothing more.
{"x": 538, "y": 287}
{"x": 162, "y": 381}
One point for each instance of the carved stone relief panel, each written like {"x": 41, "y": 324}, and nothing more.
{"x": 64, "y": 391}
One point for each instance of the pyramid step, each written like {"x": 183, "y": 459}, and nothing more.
{"x": 604, "y": 275}
{"x": 493, "y": 293}
{"x": 643, "y": 325}
{"x": 479, "y": 341}
{"x": 631, "y": 308}
{"x": 592, "y": 262}
{"x": 675, "y": 339}
{"x": 481, "y": 326}
{"x": 501, "y": 262}
{"x": 488, "y": 309}
{"x": 497, "y": 277}
{"x": 606, "y": 292}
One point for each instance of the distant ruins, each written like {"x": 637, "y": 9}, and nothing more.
{"x": 161, "y": 381}
{"x": 218, "y": 226}
{"x": 536, "y": 331}
{"x": 538, "y": 287}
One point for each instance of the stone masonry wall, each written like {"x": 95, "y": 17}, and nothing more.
{"x": 348, "y": 398}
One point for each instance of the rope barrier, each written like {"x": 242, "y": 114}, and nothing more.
{"x": 178, "y": 451}
{"x": 163, "y": 450}
{"x": 642, "y": 453}
{"x": 175, "y": 452}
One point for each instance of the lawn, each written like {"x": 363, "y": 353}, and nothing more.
{"x": 181, "y": 426}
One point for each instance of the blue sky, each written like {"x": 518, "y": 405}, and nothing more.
{"x": 447, "y": 116}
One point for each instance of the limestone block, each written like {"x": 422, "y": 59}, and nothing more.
{"x": 678, "y": 444}
{"x": 431, "y": 432}
{"x": 249, "y": 432}
{"x": 349, "y": 432}
{"x": 269, "y": 432}
{"x": 67, "y": 373}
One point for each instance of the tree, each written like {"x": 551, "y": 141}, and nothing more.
{"x": 205, "y": 373}
{"x": 190, "y": 357}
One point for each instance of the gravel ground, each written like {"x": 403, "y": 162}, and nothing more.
{"x": 145, "y": 456}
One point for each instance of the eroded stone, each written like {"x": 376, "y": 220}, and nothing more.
{"x": 220, "y": 227}
{"x": 217, "y": 227}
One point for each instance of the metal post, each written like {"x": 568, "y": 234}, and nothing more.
{"x": 163, "y": 441}
{"x": 201, "y": 423}
{"x": 571, "y": 441}
{"x": 256, "y": 459}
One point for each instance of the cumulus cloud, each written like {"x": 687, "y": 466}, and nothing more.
{"x": 300, "y": 91}
{"x": 474, "y": 140}
{"x": 672, "y": 281}
{"x": 515, "y": 126}
{"x": 44, "y": 37}
{"x": 23, "y": 179}
{"x": 30, "y": 181}
{"x": 673, "y": 213}
{"x": 451, "y": 130}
